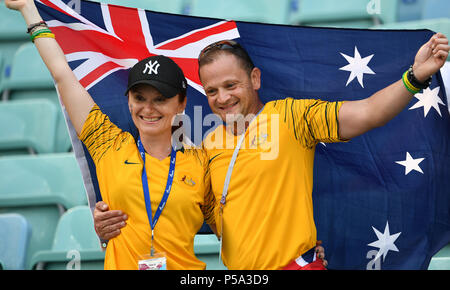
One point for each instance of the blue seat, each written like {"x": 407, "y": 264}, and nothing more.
{"x": 41, "y": 188}
{"x": 28, "y": 126}
{"x": 76, "y": 245}
{"x": 15, "y": 234}
{"x": 436, "y": 9}
{"x": 266, "y": 11}
{"x": 206, "y": 248}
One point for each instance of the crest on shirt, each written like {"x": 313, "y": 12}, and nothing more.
{"x": 188, "y": 180}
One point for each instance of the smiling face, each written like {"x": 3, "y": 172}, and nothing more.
{"x": 231, "y": 90}
{"x": 151, "y": 112}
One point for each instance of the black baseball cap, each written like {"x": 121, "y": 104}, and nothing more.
{"x": 160, "y": 72}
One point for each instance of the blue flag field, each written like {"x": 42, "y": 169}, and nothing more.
{"x": 381, "y": 201}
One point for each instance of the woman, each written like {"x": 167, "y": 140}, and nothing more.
{"x": 164, "y": 190}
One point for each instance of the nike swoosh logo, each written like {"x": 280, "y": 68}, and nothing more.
{"x": 128, "y": 163}
{"x": 210, "y": 160}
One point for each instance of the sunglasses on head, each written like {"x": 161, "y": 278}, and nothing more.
{"x": 223, "y": 44}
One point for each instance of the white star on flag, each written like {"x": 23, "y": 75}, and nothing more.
{"x": 357, "y": 67}
{"x": 385, "y": 242}
{"x": 411, "y": 164}
{"x": 428, "y": 99}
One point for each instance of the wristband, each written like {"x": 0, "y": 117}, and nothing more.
{"x": 44, "y": 32}
{"x": 44, "y": 35}
{"x": 412, "y": 89}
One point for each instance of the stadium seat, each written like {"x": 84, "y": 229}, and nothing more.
{"x": 76, "y": 245}
{"x": 172, "y": 6}
{"x": 28, "y": 71}
{"x": 41, "y": 188}
{"x": 12, "y": 25}
{"x": 39, "y": 179}
{"x": 410, "y": 10}
{"x": 12, "y": 32}
{"x": 15, "y": 234}
{"x": 436, "y": 9}
{"x": 266, "y": 11}
{"x": 206, "y": 248}
{"x": 441, "y": 261}
{"x": 28, "y": 126}
{"x": 1, "y": 71}
{"x": 350, "y": 13}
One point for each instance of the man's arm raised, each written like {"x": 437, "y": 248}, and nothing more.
{"x": 358, "y": 117}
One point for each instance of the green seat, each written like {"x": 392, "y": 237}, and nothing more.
{"x": 28, "y": 126}
{"x": 12, "y": 25}
{"x": 76, "y": 245}
{"x": 266, "y": 11}
{"x": 441, "y": 261}
{"x": 38, "y": 179}
{"x": 15, "y": 232}
{"x": 12, "y": 32}
{"x": 41, "y": 188}
{"x": 172, "y": 6}
{"x": 206, "y": 248}
{"x": 2, "y": 72}
{"x": 349, "y": 13}
{"x": 28, "y": 71}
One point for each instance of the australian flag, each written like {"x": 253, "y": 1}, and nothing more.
{"x": 381, "y": 201}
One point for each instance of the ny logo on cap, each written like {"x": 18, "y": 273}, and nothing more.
{"x": 151, "y": 67}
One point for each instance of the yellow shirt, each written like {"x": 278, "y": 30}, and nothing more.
{"x": 119, "y": 169}
{"x": 268, "y": 216}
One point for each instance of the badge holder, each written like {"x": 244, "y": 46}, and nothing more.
{"x": 153, "y": 261}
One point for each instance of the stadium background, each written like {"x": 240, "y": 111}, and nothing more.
{"x": 45, "y": 222}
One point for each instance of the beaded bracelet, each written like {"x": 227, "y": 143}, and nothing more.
{"x": 34, "y": 25}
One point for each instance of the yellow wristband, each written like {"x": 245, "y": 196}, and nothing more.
{"x": 44, "y": 35}
{"x": 412, "y": 89}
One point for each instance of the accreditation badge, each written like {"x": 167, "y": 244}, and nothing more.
{"x": 157, "y": 261}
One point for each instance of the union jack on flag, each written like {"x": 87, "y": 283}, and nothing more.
{"x": 380, "y": 201}
{"x": 118, "y": 37}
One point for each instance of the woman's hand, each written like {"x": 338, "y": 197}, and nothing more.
{"x": 18, "y": 4}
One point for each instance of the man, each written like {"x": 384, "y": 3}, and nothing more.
{"x": 264, "y": 212}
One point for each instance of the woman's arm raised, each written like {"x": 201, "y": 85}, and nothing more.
{"x": 76, "y": 99}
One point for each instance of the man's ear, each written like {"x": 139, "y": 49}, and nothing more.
{"x": 255, "y": 77}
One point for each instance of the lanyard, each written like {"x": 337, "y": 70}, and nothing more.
{"x": 228, "y": 179}
{"x": 154, "y": 219}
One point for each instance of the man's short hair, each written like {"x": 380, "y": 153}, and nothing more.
{"x": 212, "y": 51}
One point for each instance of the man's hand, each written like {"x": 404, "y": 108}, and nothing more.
{"x": 320, "y": 251}
{"x": 431, "y": 57}
{"x": 107, "y": 222}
